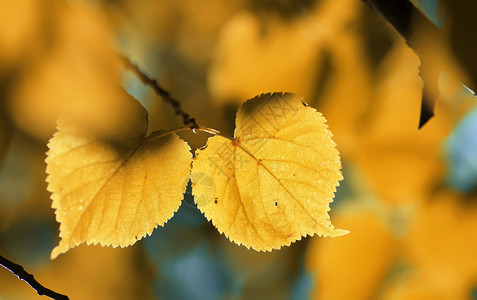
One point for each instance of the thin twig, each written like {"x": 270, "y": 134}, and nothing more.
{"x": 186, "y": 119}
{"x": 28, "y": 278}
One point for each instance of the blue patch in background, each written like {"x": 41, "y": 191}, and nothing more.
{"x": 461, "y": 154}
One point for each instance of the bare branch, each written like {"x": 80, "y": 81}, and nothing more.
{"x": 28, "y": 278}
{"x": 186, "y": 119}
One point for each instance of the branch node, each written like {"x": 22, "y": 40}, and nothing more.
{"x": 20, "y": 272}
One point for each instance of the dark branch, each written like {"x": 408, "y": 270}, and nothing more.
{"x": 402, "y": 15}
{"x": 24, "y": 275}
{"x": 406, "y": 19}
{"x": 186, "y": 119}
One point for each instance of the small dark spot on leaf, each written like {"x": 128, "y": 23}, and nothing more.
{"x": 276, "y": 203}
{"x": 294, "y": 174}
{"x": 216, "y": 200}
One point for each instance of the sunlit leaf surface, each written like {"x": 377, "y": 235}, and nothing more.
{"x": 114, "y": 189}
{"x": 272, "y": 184}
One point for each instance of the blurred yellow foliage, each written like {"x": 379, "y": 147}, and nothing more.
{"x": 246, "y": 59}
{"x": 402, "y": 164}
{"x": 20, "y": 31}
{"x": 78, "y": 72}
{"x": 351, "y": 267}
{"x": 442, "y": 243}
{"x": 257, "y": 56}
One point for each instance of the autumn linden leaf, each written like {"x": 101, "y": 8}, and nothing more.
{"x": 110, "y": 184}
{"x": 272, "y": 183}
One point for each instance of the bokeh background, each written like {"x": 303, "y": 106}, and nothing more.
{"x": 409, "y": 196}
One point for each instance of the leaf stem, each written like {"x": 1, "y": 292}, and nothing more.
{"x": 28, "y": 278}
{"x": 161, "y": 133}
{"x": 209, "y": 130}
{"x": 186, "y": 119}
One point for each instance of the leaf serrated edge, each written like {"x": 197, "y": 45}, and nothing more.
{"x": 59, "y": 249}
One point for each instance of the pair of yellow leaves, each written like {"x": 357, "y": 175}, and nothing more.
{"x": 267, "y": 187}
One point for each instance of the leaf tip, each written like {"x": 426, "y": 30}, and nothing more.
{"x": 60, "y": 249}
{"x": 340, "y": 232}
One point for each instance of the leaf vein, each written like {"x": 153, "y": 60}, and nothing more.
{"x": 278, "y": 180}
{"x": 240, "y": 199}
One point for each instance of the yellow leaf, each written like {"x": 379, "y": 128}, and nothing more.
{"x": 271, "y": 184}
{"x": 110, "y": 184}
